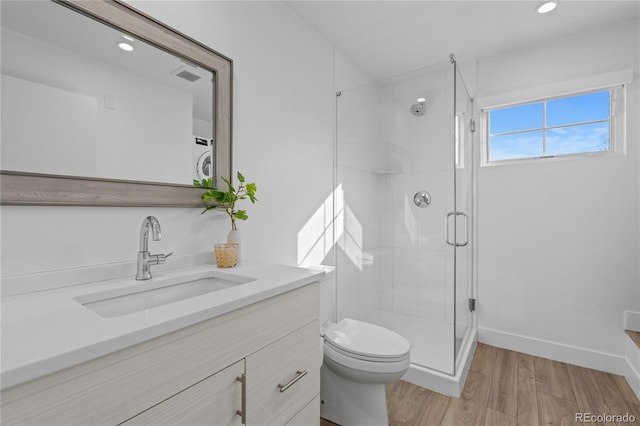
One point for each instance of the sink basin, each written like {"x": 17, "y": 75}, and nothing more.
{"x": 157, "y": 292}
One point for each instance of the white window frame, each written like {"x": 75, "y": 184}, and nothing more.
{"x": 616, "y": 82}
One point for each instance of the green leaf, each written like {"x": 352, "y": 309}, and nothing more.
{"x": 241, "y": 214}
{"x": 225, "y": 200}
{"x": 208, "y": 196}
{"x": 251, "y": 192}
{"x": 214, "y": 195}
{"x": 206, "y": 209}
{"x": 205, "y": 183}
{"x": 227, "y": 197}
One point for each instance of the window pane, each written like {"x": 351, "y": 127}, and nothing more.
{"x": 523, "y": 117}
{"x": 576, "y": 139}
{"x": 578, "y": 109}
{"x": 517, "y": 145}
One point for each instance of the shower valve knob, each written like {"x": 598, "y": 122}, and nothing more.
{"x": 422, "y": 199}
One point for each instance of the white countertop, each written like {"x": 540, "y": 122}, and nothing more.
{"x": 48, "y": 331}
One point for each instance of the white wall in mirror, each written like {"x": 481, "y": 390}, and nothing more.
{"x": 96, "y": 114}
{"x": 35, "y": 113}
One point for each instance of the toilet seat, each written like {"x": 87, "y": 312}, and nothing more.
{"x": 367, "y": 358}
{"x": 348, "y": 365}
{"x": 367, "y": 342}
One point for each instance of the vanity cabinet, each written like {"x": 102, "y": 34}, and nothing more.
{"x": 190, "y": 376}
{"x": 309, "y": 415}
{"x": 282, "y": 377}
{"x": 215, "y": 400}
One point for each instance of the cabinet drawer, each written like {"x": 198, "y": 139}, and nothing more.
{"x": 308, "y": 416}
{"x": 273, "y": 393}
{"x": 213, "y": 401}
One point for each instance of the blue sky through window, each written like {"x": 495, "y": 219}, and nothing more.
{"x": 578, "y": 109}
{"x": 522, "y": 117}
{"x": 516, "y": 145}
{"x": 575, "y": 124}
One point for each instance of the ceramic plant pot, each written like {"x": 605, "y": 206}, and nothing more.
{"x": 234, "y": 237}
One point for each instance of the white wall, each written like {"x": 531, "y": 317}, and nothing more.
{"x": 152, "y": 121}
{"x": 283, "y": 140}
{"x": 348, "y": 74}
{"x": 283, "y": 111}
{"x": 558, "y": 240}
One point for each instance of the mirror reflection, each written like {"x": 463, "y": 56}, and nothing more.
{"x": 80, "y": 98}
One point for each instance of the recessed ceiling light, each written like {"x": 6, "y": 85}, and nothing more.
{"x": 421, "y": 100}
{"x": 127, "y": 47}
{"x": 547, "y": 7}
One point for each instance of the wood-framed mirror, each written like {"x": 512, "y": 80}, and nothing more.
{"x": 55, "y": 180}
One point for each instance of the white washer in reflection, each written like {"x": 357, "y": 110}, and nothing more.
{"x": 204, "y": 166}
{"x": 202, "y": 158}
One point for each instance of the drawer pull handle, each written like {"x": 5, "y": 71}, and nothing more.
{"x": 299, "y": 375}
{"x": 243, "y": 412}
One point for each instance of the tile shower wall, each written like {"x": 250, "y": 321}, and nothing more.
{"x": 393, "y": 257}
{"x": 360, "y": 218}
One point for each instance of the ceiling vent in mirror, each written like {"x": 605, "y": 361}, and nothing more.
{"x": 186, "y": 72}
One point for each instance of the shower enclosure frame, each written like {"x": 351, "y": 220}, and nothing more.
{"x": 457, "y": 225}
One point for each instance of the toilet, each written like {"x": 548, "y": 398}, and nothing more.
{"x": 358, "y": 360}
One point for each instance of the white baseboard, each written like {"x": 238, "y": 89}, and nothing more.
{"x": 575, "y": 355}
{"x": 632, "y": 366}
{"x": 633, "y": 378}
{"x": 632, "y": 321}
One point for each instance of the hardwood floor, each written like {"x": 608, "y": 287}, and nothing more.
{"x": 510, "y": 388}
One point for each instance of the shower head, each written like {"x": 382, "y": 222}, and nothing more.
{"x": 418, "y": 109}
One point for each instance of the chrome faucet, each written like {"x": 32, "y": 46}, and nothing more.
{"x": 145, "y": 259}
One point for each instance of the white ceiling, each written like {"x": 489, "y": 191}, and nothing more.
{"x": 388, "y": 38}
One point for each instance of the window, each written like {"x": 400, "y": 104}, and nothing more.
{"x": 577, "y": 124}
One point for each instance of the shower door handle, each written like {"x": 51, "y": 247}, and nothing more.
{"x": 466, "y": 228}
{"x": 446, "y": 228}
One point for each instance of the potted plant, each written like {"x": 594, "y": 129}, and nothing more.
{"x": 216, "y": 199}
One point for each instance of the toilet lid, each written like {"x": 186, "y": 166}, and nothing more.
{"x": 366, "y": 339}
